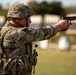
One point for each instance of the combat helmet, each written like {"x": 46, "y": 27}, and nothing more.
{"x": 19, "y": 11}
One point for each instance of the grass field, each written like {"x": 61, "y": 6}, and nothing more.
{"x": 52, "y": 62}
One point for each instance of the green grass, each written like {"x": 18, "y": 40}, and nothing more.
{"x": 51, "y": 62}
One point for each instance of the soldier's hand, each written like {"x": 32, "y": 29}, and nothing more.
{"x": 63, "y": 25}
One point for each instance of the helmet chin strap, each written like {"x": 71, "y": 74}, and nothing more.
{"x": 20, "y": 24}
{"x": 26, "y": 22}
{"x": 17, "y": 23}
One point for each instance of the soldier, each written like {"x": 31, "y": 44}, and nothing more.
{"x": 18, "y": 38}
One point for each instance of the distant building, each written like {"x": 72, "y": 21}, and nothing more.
{"x": 2, "y": 20}
{"x": 36, "y": 21}
{"x": 51, "y": 19}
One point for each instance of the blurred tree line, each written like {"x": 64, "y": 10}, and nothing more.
{"x": 51, "y": 8}
{"x": 48, "y": 8}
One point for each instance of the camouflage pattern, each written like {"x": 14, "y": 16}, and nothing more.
{"x": 18, "y": 48}
{"x": 19, "y": 11}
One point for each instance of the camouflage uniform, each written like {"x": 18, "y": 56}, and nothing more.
{"x": 17, "y": 44}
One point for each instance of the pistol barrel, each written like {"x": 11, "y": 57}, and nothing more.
{"x": 69, "y": 17}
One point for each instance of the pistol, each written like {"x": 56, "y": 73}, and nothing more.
{"x": 69, "y": 18}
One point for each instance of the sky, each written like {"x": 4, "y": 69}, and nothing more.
{"x": 64, "y": 2}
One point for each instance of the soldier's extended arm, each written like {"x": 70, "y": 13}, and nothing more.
{"x": 31, "y": 35}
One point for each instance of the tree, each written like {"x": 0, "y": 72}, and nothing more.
{"x": 0, "y": 6}
{"x": 56, "y": 8}
{"x": 47, "y": 8}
